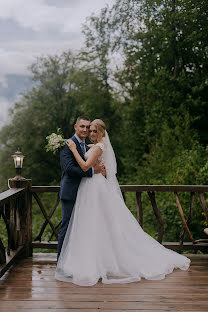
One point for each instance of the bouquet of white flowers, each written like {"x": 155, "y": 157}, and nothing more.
{"x": 55, "y": 141}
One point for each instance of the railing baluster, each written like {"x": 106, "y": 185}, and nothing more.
{"x": 158, "y": 216}
{"x": 56, "y": 227}
{"x": 182, "y": 216}
{"x": 2, "y": 253}
{"x": 12, "y": 224}
{"x": 204, "y": 206}
{"x": 18, "y": 224}
{"x": 45, "y": 214}
{"x": 191, "y": 208}
{"x": 2, "y": 248}
{"x": 9, "y": 211}
{"x": 7, "y": 222}
{"x": 24, "y": 205}
{"x": 39, "y": 237}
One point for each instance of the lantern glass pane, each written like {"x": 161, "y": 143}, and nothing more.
{"x": 18, "y": 162}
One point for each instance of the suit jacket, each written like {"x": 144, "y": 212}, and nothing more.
{"x": 71, "y": 172}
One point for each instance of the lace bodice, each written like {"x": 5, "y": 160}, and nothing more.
{"x": 101, "y": 157}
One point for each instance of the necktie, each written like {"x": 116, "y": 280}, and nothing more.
{"x": 82, "y": 144}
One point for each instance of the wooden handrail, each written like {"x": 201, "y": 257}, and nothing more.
{"x": 45, "y": 189}
{"x": 136, "y": 188}
{"x": 13, "y": 193}
{"x": 164, "y": 188}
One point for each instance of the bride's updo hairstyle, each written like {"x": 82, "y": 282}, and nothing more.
{"x": 100, "y": 127}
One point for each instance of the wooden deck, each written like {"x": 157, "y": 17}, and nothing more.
{"x": 30, "y": 286}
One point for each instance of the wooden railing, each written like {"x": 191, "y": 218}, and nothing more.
{"x": 194, "y": 190}
{"x": 151, "y": 190}
{"x": 16, "y": 213}
{"x": 36, "y": 191}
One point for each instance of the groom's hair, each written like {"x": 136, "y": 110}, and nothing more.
{"x": 82, "y": 118}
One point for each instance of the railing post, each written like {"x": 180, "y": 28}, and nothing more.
{"x": 24, "y": 214}
{"x": 2, "y": 253}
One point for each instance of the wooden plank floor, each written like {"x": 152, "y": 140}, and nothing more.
{"x": 30, "y": 286}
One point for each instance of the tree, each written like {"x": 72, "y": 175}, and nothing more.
{"x": 62, "y": 91}
{"x": 164, "y": 70}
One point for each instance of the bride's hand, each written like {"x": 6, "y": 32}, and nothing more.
{"x": 71, "y": 145}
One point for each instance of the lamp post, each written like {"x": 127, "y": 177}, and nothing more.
{"x": 18, "y": 162}
{"x": 22, "y": 208}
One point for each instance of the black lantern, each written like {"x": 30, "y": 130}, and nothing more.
{"x": 18, "y": 162}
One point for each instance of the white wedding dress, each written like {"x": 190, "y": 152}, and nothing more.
{"x": 104, "y": 240}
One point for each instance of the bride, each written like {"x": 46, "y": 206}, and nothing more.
{"x": 103, "y": 238}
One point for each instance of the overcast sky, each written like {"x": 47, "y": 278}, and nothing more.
{"x": 29, "y": 28}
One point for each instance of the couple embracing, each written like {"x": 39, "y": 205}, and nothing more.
{"x": 99, "y": 237}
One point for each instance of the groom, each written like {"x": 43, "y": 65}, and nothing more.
{"x": 72, "y": 174}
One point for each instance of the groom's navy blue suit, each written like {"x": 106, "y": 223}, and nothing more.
{"x": 70, "y": 180}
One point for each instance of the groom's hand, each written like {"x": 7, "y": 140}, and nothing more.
{"x": 100, "y": 168}
{"x": 103, "y": 171}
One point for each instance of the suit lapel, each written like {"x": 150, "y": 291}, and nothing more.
{"x": 86, "y": 146}
{"x": 78, "y": 146}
